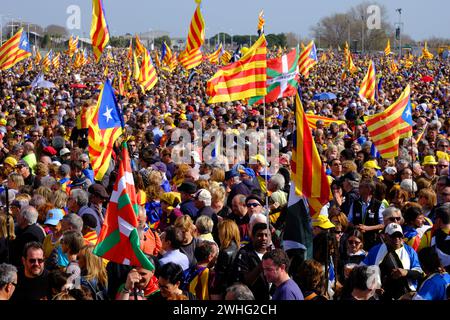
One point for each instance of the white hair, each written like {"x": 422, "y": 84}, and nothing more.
{"x": 29, "y": 214}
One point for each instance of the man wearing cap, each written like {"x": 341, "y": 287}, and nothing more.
{"x": 350, "y": 185}
{"x": 236, "y": 186}
{"x": 64, "y": 155}
{"x": 366, "y": 214}
{"x": 23, "y": 168}
{"x": 259, "y": 165}
{"x": 321, "y": 224}
{"x": 97, "y": 196}
{"x": 53, "y": 222}
{"x": 389, "y": 176}
{"x": 398, "y": 262}
{"x": 187, "y": 206}
{"x": 429, "y": 170}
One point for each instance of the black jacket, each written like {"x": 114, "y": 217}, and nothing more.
{"x": 23, "y": 236}
{"x": 245, "y": 261}
{"x": 223, "y": 268}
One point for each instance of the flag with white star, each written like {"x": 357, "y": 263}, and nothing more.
{"x": 16, "y": 49}
{"x": 105, "y": 127}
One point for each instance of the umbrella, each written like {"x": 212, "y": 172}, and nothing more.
{"x": 78, "y": 85}
{"x": 324, "y": 96}
{"x": 427, "y": 79}
{"x": 45, "y": 84}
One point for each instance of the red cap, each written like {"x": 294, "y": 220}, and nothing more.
{"x": 49, "y": 150}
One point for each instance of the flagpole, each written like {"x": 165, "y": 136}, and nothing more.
{"x": 265, "y": 167}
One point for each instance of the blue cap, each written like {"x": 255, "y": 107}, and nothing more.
{"x": 54, "y": 216}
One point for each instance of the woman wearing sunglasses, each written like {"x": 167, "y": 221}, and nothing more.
{"x": 354, "y": 252}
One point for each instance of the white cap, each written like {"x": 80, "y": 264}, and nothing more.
{"x": 64, "y": 151}
{"x": 392, "y": 228}
{"x": 203, "y": 195}
{"x": 391, "y": 170}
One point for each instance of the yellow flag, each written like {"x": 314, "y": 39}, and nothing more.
{"x": 136, "y": 69}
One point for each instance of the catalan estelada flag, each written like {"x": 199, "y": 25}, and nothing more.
{"x": 308, "y": 59}
{"x": 192, "y": 56}
{"x": 99, "y": 29}
{"x": 387, "y": 50}
{"x": 105, "y": 127}
{"x": 367, "y": 87}
{"x": 166, "y": 54}
{"x": 14, "y": 50}
{"x": 147, "y": 77}
{"x": 140, "y": 49}
{"x": 308, "y": 174}
{"x": 388, "y": 127}
{"x": 226, "y": 57}
{"x": 393, "y": 67}
{"x": 242, "y": 79}
{"x": 119, "y": 239}
{"x": 157, "y": 61}
{"x": 47, "y": 61}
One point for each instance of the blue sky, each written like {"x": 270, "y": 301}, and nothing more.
{"x": 422, "y": 19}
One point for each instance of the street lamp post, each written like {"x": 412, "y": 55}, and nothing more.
{"x": 348, "y": 23}
{"x": 399, "y": 10}
{"x": 362, "y": 34}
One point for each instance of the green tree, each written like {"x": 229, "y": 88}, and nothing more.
{"x": 159, "y": 41}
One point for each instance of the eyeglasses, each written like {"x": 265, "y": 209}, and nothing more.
{"x": 254, "y": 205}
{"x": 339, "y": 232}
{"x": 132, "y": 145}
{"x": 395, "y": 219}
{"x": 33, "y": 261}
{"x": 337, "y": 164}
{"x": 353, "y": 242}
{"x": 396, "y": 235}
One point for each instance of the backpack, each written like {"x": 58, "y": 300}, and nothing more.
{"x": 98, "y": 292}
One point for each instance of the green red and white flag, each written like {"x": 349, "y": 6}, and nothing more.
{"x": 119, "y": 239}
{"x": 282, "y": 78}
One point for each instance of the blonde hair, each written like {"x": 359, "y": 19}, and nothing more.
{"x": 94, "y": 266}
{"x": 218, "y": 193}
{"x": 430, "y": 195}
{"x": 185, "y": 222}
{"x": 45, "y": 192}
{"x": 17, "y": 179}
{"x": 217, "y": 174}
{"x": 204, "y": 224}
{"x": 59, "y": 199}
{"x": 202, "y": 184}
{"x": 4, "y": 229}
{"x": 64, "y": 295}
{"x": 228, "y": 232}
{"x": 41, "y": 169}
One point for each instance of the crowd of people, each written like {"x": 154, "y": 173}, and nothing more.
{"x": 214, "y": 230}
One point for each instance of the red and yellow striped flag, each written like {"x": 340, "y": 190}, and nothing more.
{"x": 191, "y": 57}
{"x": 367, "y": 87}
{"x": 261, "y": 22}
{"x": 99, "y": 29}
{"x": 55, "y": 61}
{"x": 16, "y": 49}
{"x": 308, "y": 59}
{"x": 73, "y": 46}
{"x": 348, "y": 61}
{"x": 47, "y": 61}
{"x": 136, "y": 69}
{"x": 130, "y": 51}
{"x": 105, "y": 127}
{"x": 225, "y": 58}
{"x": 393, "y": 67}
{"x": 387, "y": 50}
{"x": 157, "y": 61}
{"x": 242, "y": 79}
{"x": 37, "y": 57}
{"x": 388, "y": 127}
{"x": 147, "y": 77}
{"x": 214, "y": 57}
{"x": 312, "y": 121}
{"x": 308, "y": 173}
{"x": 140, "y": 49}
